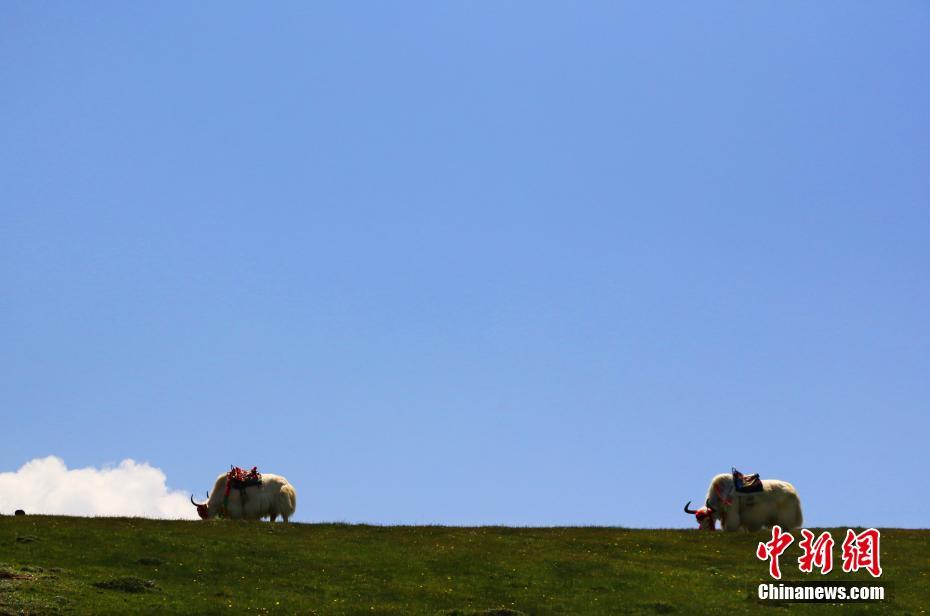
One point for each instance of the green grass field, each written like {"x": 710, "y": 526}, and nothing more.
{"x": 66, "y": 565}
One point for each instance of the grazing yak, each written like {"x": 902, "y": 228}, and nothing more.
{"x": 268, "y": 497}
{"x": 768, "y": 503}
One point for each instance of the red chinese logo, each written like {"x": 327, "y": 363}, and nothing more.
{"x": 773, "y": 549}
{"x": 817, "y": 553}
{"x": 861, "y": 551}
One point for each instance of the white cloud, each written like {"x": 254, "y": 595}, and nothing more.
{"x": 47, "y": 486}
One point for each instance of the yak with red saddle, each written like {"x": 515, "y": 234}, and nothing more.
{"x": 248, "y": 495}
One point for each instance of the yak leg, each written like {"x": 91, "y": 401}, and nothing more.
{"x": 285, "y": 518}
{"x": 731, "y": 521}
{"x": 273, "y": 516}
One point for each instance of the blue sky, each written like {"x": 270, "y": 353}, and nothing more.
{"x": 521, "y": 263}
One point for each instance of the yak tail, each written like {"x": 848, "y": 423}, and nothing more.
{"x": 795, "y": 504}
{"x": 287, "y": 500}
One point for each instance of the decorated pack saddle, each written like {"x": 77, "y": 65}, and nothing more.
{"x": 746, "y": 484}
{"x": 239, "y": 479}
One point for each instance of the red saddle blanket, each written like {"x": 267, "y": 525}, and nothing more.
{"x": 239, "y": 478}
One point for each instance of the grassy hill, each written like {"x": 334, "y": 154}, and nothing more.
{"x": 119, "y": 565}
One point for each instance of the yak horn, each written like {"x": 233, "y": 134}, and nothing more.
{"x": 689, "y": 510}
{"x": 194, "y": 503}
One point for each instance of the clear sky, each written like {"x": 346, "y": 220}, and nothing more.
{"x": 473, "y": 262}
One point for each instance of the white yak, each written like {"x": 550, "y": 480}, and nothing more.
{"x": 273, "y": 497}
{"x": 777, "y": 503}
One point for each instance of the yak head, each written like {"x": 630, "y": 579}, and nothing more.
{"x": 704, "y": 516}
{"x": 718, "y": 504}
{"x": 202, "y": 510}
